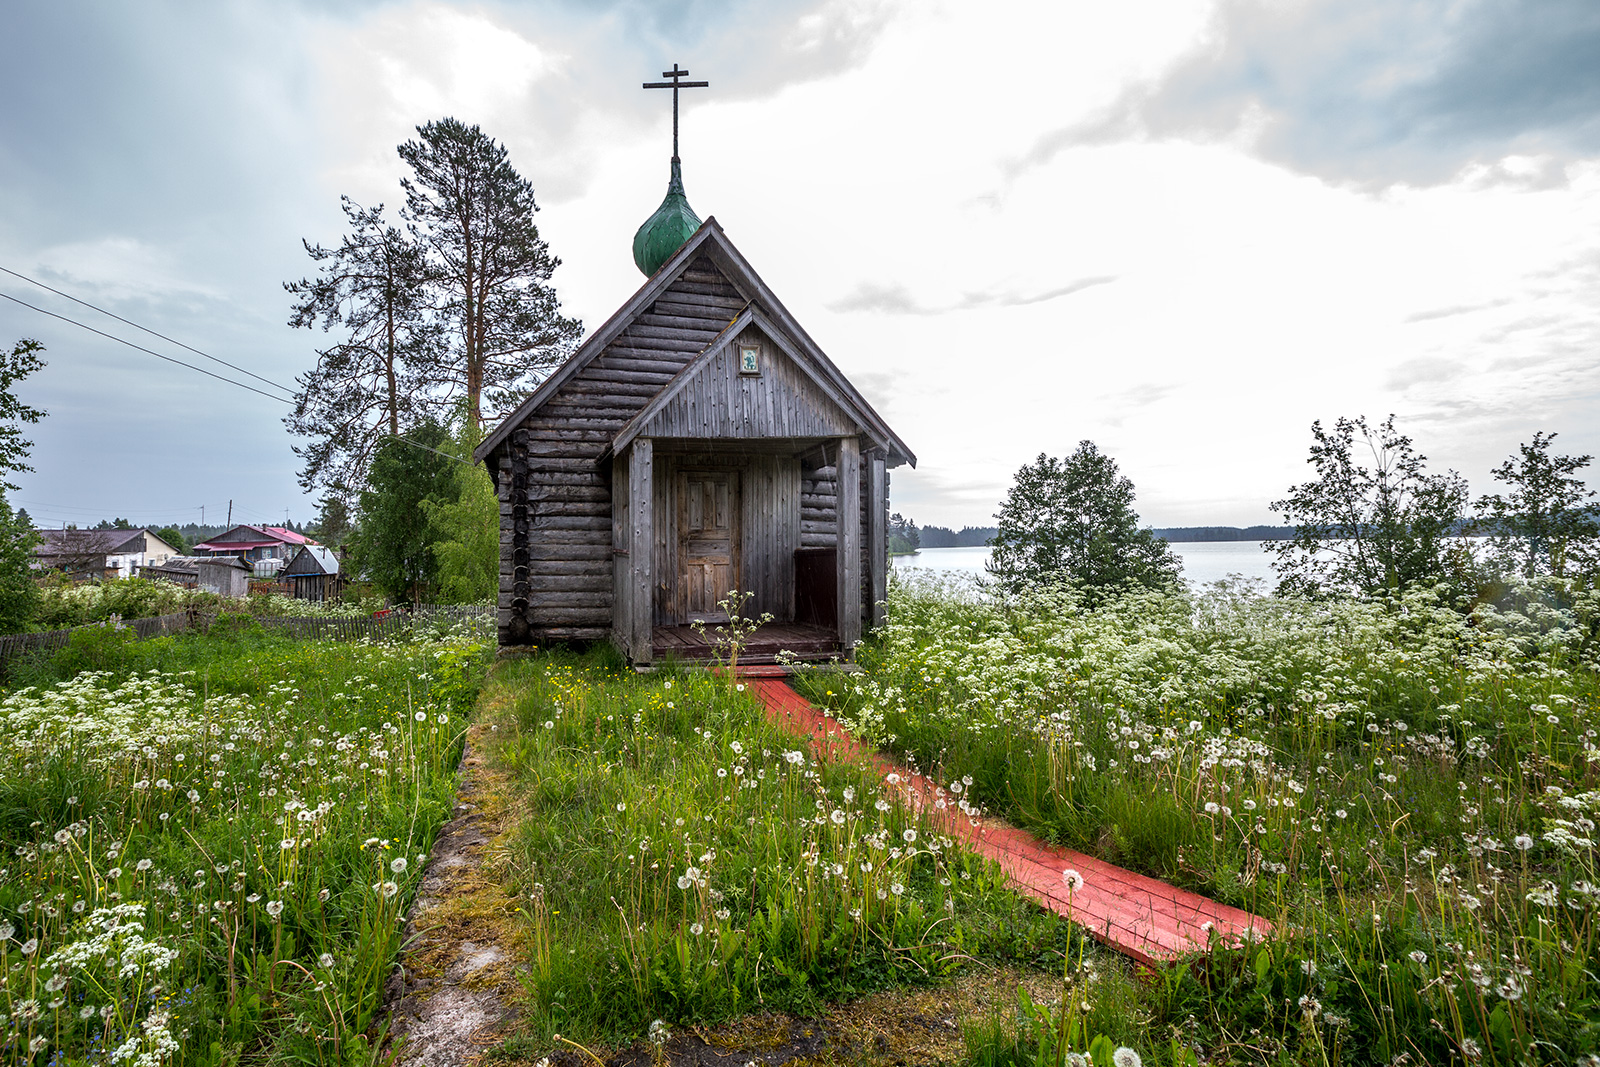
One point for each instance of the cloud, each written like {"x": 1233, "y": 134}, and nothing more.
{"x": 1143, "y": 395}
{"x": 1119, "y": 406}
{"x": 1375, "y": 91}
{"x": 896, "y": 299}
{"x": 1426, "y": 369}
{"x": 1451, "y": 312}
{"x": 753, "y": 49}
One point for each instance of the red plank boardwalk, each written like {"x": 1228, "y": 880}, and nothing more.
{"x": 1138, "y": 916}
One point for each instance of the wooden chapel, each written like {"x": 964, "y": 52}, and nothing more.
{"x": 699, "y": 442}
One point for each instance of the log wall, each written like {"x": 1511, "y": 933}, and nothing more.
{"x": 556, "y": 536}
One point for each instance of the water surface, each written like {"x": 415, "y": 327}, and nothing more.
{"x": 1203, "y": 561}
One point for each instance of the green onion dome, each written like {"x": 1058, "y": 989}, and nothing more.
{"x": 665, "y": 232}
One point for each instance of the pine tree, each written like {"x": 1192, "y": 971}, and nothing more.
{"x": 488, "y": 268}
{"x": 366, "y": 388}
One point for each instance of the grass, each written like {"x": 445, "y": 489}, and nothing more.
{"x": 680, "y": 859}
{"x": 1407, "y": 788}
{"x": 64, "y": 604}
{"x": 209, "y": 840}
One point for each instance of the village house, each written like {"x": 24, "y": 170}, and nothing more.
{"x": 256, "y": 545}
{"x": 100, "y": 553}
{"x": 699, "y": 442}
{"x": 313, "y": 573}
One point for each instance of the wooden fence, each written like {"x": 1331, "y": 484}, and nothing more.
{"x": 13, "y": 645}
{"x": 381, "y": 625}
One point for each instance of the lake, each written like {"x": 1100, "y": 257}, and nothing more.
{"x": 1203, "y": 561}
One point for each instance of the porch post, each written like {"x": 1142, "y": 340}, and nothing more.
{"x": 621, "y": 563}
{"x": 848, "y": 519}
{"x": 641, "y": 550}
{"x": 877, "y": 534}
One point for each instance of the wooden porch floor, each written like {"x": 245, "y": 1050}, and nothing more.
{"x": 805, "y": 641}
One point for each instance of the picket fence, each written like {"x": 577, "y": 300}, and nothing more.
{"x": 374, "y": 627}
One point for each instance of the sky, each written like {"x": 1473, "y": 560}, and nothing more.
{"x": 1183, "y": 229}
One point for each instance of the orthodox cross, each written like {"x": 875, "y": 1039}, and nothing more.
{"x": 675, "y": 85}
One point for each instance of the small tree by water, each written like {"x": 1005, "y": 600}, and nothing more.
{"x": 1072, "y": 521}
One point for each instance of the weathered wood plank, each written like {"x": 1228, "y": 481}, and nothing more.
{"x": 568, "y": 492}
{"x": 584, "y": 476}
{"x": 706, "y": 288}
{"x": 621, "y": 567}
{"x": 849, "y": 542}
{"x": 876, "y": 500}
{"x": 693, "y": 305}
{"x": 676, "y": 327}
{"x": 606, "y": 424}
{"x": 585, "y": 387}
{"x": 554, "y": 523}
{"x": 658, "y": 359}
{"x": 553, "y": 536}
{"x": 572, "y": 401}
{"x": 569, "y": 599}
{"x": 532, "y": 435}
{"x": 627, "y": 375}
{"x": 641, "y": 539}
{"x": 553, "y": 617}
{"x": 571, "y": 633}
{"x": 715, "y": 401}
{"x": 587, "y": 567}
{"x": 647, "y": 346}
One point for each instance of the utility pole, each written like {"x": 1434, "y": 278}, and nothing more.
{"x": 230, "y": 513}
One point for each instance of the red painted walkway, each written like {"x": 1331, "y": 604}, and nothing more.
{"x": 1138, "y": 916}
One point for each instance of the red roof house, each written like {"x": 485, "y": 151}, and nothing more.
{"x": 252, "y": 543}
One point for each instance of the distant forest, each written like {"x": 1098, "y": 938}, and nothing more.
{"x": 1226, "y": 533}
{"x": 966, "y": 537}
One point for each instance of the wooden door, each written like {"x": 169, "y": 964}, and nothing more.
{"x": 708, "y": 543}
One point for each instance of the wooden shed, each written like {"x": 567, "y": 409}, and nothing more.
{"x": 698, "y": 442}
{"x": 313, "y": 573}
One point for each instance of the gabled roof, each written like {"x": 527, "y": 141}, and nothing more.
{"x": 192, "y": 564}
{"x": 750, "y": 316}
{"x": 313, "y": 559}
{"x": 711, "y": 242}
{"x": 255, "y": 537}
{"x": 91, "y": 542}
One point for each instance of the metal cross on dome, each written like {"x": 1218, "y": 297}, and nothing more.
{"x": 675, "y": 84}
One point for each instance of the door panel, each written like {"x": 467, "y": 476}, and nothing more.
{"x": 708, "y": 542}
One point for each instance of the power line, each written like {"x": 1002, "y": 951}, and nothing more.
{"x": 148, "y": 351}
{"x": 146, "y": 329}
{"x": 435, "y": 451}
{"x": 180, "y": 344}
{"x": 101, "y": 511}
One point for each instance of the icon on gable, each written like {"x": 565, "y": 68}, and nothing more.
{"x": 749, "y": 359}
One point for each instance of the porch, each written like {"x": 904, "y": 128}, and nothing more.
{"x": 807, "y": 641}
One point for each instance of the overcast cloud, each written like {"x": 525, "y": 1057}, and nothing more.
{"x": 1181, "y": 228}
{"x": 1375, "y": 91}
